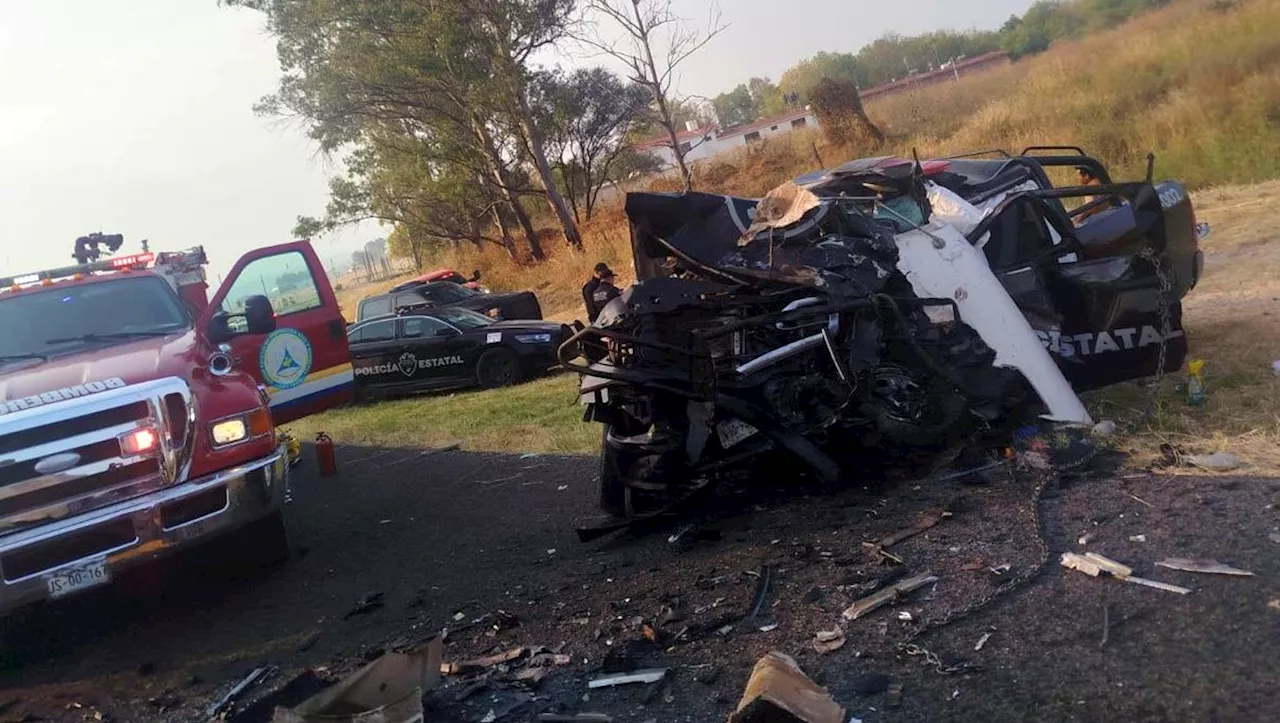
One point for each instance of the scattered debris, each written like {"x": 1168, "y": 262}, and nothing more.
{"x": 828, "y": 641}
{"x": 579, "y": 718}
{"x": 768, "y": 628}
{"x": 367, "y": 604}
{"x": 1275, "y": 536}
{"x": 1137, "y": 538}
{"x": 905, "y": 616}
{"x": 974, "y": 566}
{"x": 1274, "y": 604}
{"x": 888, "y": 595}
{"x": 1211, "y": 567}
{"x": 257, "y": 675}
{"x": 389, "y": 689}
{"x": 982, "y": 641}
{"x": 478, "y": 664}
{"x": 303, "y": 686}
{"x": 1085, "y": 539}
{"x": 893, "y": 696}
{"x": 1139, "y": 499}
{"x": 930, "y": 520}
{"x": 1220, "y": 461}
{"x": 1094, "y": 565}
{"x": 779, "y": 691}
{"x": 762, "y": 590}
{"x": 870, "y": 683}
{"x": 650, "y": 675}
{"x": 1105, "y": 428}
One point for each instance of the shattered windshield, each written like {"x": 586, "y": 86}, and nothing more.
{"x": 68, "y": 319}
{"x": 464, "y": 318}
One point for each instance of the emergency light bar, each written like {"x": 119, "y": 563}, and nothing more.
{"x": 133, "y": 261}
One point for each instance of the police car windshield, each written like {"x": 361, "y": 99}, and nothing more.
{"x": 463, "y": 318}
{"x": 69, "y": 318}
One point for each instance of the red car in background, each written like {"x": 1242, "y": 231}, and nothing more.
{"x": 444, "y": 275}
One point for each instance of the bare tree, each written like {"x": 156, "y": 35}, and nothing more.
{"x": 655, "y": 42}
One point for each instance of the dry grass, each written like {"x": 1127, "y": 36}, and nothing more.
{"x": 1231, "y": 319}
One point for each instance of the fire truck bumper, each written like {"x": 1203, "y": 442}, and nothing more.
{"x": 86, "y": 551}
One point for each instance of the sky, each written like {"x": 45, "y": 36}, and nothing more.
{"x": 135, "y": 116}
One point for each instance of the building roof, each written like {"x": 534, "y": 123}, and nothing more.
{"x": 960, "y": 65}
{"x": 745, "y": 128}
{"x": 664, "y": 141}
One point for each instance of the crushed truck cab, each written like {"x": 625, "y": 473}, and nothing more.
{"x": 138, "y": 417}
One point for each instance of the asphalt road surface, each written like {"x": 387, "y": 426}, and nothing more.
{"x": 449, "y": 538}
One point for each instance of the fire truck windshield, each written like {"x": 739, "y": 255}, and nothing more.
{"x": 65, "y": 319}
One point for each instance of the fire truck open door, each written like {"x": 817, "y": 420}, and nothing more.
{"x": 304, "y": 363}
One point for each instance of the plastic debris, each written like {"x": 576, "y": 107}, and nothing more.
{"x": 366, "y": 605}
{"x": 982, "y": 641}
{"x": 1105, "y": 428}
{"x": 257, "y": 675}
{"x": 779, "y": 691}
{"x": 828, "y": 641}
{"x": 389, "y": 689}
{"x": 1210, "y": 567}
{"x": 1220, "y": 461}
{"x": 650, "y": 675}
{"x": 1137, "y": 538}
{"x": 1096, "y": 565}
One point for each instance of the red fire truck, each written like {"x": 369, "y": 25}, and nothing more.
{"x": 138, "y": 416}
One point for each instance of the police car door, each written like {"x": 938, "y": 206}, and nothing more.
{"x": 1095, "y": 309}
{"x": 305, "y": 363}
{"x": 375, "y": 354}
{"x": 437, "y": 349}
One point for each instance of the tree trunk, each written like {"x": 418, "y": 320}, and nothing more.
{"x": 492, "y": 196}
{"x": 659, "y": 97}
{"x": 503, "y": 182}
{"x": 546, "y": 180}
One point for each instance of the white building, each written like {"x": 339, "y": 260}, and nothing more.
{"x": 702, "y": 143}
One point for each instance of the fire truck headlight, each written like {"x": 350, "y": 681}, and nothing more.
{"x": 229, "y": 431}
{"x": 233, "y": 430}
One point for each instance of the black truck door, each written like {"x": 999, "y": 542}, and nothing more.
{"x": 1092, "y": 292}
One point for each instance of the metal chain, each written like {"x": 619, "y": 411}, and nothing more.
{"x": 1166, "y": 328}
{"x": 910, "y": 647}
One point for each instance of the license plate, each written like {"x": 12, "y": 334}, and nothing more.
{"x": 74, "y": 579}
{"x": 733, "y": 431}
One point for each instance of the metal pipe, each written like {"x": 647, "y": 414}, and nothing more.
{"x": 783, "y": 352}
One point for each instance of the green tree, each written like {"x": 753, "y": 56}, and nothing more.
{"x": 587, "y": 116}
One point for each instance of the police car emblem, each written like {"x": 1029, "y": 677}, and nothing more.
{"x": 408, "y": 364}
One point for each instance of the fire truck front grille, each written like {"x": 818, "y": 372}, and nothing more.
{"x": 75, "y": 456}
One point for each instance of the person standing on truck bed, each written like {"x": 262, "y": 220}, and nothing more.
{"x": 589, "y": 290}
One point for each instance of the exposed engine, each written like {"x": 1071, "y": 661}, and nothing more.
{"x": 781, "y": 327}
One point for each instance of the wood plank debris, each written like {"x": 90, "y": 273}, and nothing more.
{"x": 471, "y": 666}
{"x": 1095, "y": 565}
{"x": 778, "y": 690}
{"x": 1209, "y": 567}
{"x": 888, "y": 595}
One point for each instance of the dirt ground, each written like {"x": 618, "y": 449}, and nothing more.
{"x": 464, "y": 535}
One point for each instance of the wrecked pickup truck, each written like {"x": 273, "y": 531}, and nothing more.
{"x": 887, "y": 312}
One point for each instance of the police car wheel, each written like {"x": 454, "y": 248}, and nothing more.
{"x": 498, "y": 368}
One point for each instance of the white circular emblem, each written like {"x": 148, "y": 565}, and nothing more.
{"x": 285, "y": 359}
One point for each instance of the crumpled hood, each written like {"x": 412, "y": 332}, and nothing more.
{"x": 133, "y": 361}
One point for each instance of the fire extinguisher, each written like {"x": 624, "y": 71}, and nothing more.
{"x": 325, "y": 460}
